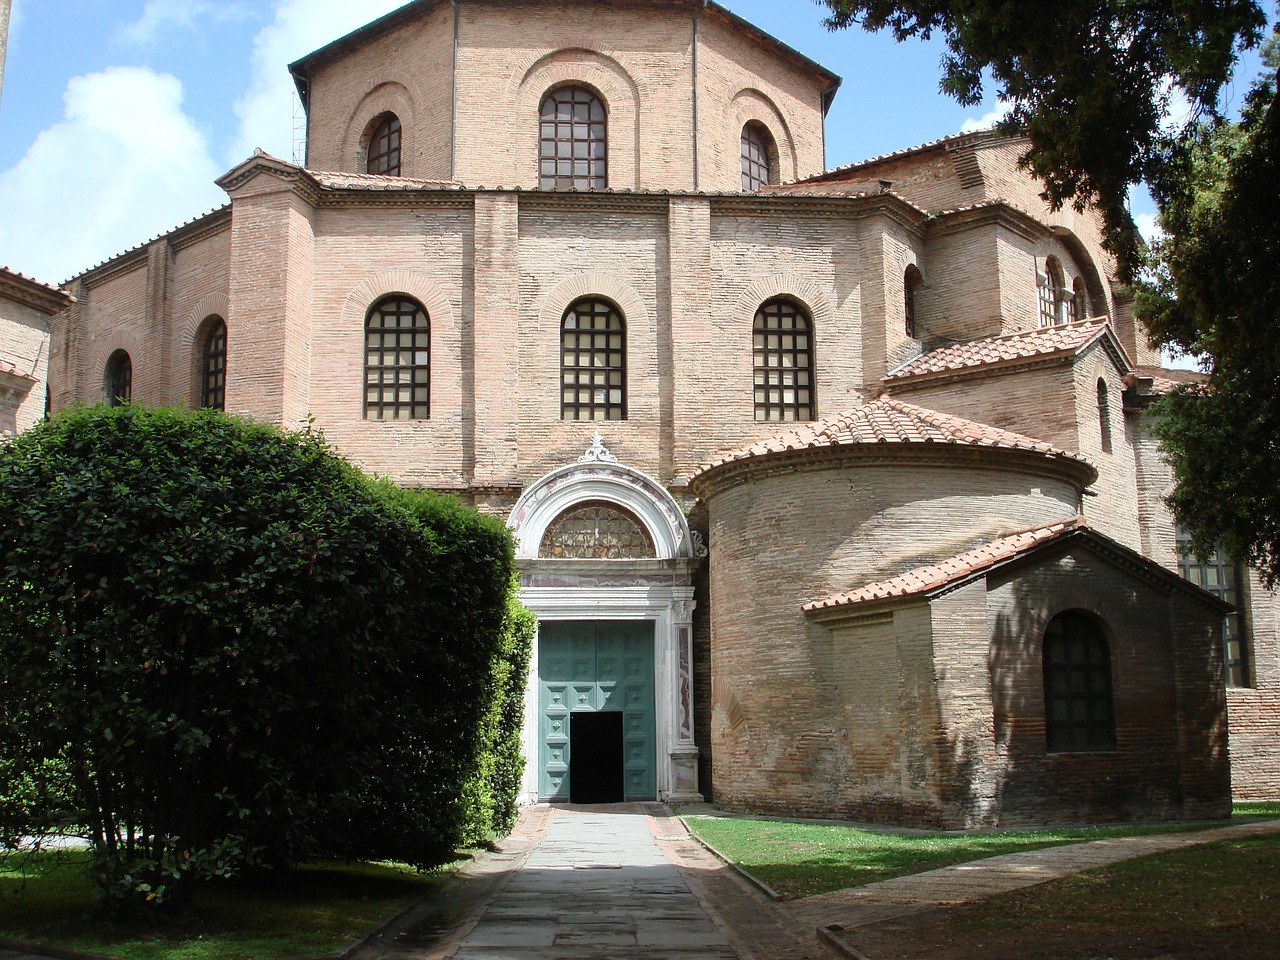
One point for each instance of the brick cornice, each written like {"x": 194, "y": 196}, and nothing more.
{"x": 32, "y": 293}
{"x": 715, "y": 480}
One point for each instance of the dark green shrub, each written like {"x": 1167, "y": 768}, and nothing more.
{"x": 227, "y": 642}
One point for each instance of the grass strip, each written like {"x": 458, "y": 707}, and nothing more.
{"x": 803, "y": 859}
{"x": 1205, "y": 902}
{"x": 314, "y": 910}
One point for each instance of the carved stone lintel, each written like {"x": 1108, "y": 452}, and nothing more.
{"x": 597, "y": 452}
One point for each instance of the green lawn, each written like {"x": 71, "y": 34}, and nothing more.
{"x": 801, "y": 859}
{"x": 1213, "y": 901}
{"x": 315, "y": 910}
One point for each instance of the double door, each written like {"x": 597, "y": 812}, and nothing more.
{"x": 596, "y": 711}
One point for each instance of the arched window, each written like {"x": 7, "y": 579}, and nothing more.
{"x": 597, "y": 530}
{"x": 573, "y": 153}
{"x": 759, "y": 157}
{"x": 117, "y": 381}
{"x": 593, "y": 362}
{"x": 783, "y": 354}
{"x": 213, "y": 366}
{"x": 912, "y": 281}
{"x": 383, "y": 155}
{"x": 1104, "y": 415}
{"x": 1055, "y": 305}
{"x": 1079, "y": 713}
{"x": 397, "y": 360}
{"x": 1079, "y": 299}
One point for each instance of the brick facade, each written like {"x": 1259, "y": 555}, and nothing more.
{"x": 299, "y": 257}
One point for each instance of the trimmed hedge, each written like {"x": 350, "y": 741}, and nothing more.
{"x": 225, "y": 649}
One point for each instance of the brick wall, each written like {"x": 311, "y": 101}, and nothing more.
{"x": 1169, "y": 760}
{"x": 24, "y": 342}
{"x": 783, "y": 539}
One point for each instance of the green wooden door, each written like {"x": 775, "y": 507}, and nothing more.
{"x": 596, "y": 665}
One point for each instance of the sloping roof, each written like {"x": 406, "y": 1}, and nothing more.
{"x": 938, "y": 575}
{"x": 852, "y": 171}
{"x": 1063, "y": 339}
{"x": 32, "y": 292}
{"x": 936, "y": 578}
{"x": 337, "y": 180}
{"x": 190, "y": 227}
{"x": 887, "y": 421}
{"x": 303, "y": 68}
{"x": 1161, "y": 380}
{"x": 8, "y": 369}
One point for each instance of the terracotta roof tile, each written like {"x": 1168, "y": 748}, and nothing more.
{"x": 975, "y": 136}
{"x": 962, "y": 565}
{"x": 889, "y": 421}
{"x": 13, "y": 371}
{"x": 1160, "y": 380}
{"x": 1041, "y": 342}
{"x": 340, "y": 180}
{"x": 27, "y": 279}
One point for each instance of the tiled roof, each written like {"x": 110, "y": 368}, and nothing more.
{"x": 339, "y": 181}
{"x": 1042, "y": 342}
{"x": 31, "y": 280}
{"x": 937, "y": 575}
{"x": 886, "y": 421}
{"x": 848, "y": 170}
{"x": 13, "y": 371}
{"x": 1160, "y": 380}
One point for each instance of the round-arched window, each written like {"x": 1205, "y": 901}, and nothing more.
{"x": 573, "y": 141}
{"x": 117, "y": 385}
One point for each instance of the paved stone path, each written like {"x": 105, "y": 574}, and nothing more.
{"x": 627, "y": 881}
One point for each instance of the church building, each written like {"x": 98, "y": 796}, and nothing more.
{"x": 832, "y": 490}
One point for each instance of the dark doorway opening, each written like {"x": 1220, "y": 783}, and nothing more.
{"x": 595, "y": 757}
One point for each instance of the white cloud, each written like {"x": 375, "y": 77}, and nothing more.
{"x": 300, "y": 26}
{"x": 989, "y": 119}
{"x": 159, "y": 17}
{"x": 123, "y": 164}
{"x": 1147, "y": 226}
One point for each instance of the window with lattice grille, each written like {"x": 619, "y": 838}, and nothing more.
{"x": 759, "y": 157}
{"x": 573, "y": 141}
{"x": 118, "y": 379}
{"x": 1078, "y": 705}
{"x": 384, "y": 147}
{"x": 593, "y": 362}
{"x": 397, "y": 361}
{"x": 783, "y": 354}
{"x": 597, "y": 530}
{"x": 1224, "y": 578}
{"x": 213, "y": 367}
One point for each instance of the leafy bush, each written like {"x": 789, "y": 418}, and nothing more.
{"x": 230, "y": 645}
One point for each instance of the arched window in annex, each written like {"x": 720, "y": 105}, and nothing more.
{"x": 213, "y": 363}
{"x": 912, "y": 282}
{"x": 382, "y": 145}
{"x": 1079, "y": 709}
{"x": 782, "y": 351}
{"x": 572, "y": 140}
{"x": 760, "y": 165}
{"x": 117, "y": 379}
{"x": 593, "y": 361}
{"x": 397, "y": 360}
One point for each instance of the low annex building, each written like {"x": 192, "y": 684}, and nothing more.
{"x": 832, "y": 489}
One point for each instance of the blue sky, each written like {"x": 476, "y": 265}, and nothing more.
{"x": 117, "y": 115}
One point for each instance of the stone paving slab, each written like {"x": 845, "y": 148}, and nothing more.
{"x": 596, "y": 885}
